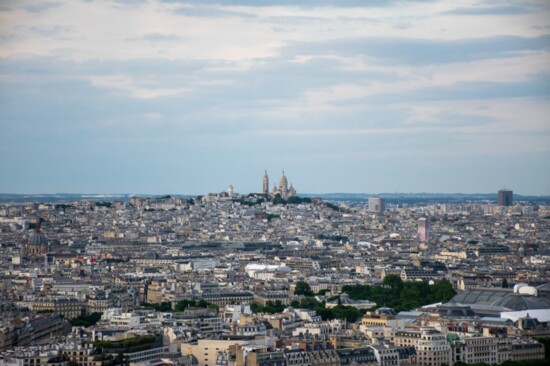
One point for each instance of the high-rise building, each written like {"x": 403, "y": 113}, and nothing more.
{"x": 377, "y": 204}
{"x": 265, "y": 184}
{"x": 505, "y": 197}
{"x": 423, "y": 232}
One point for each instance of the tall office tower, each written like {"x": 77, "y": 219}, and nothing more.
{"x": 265, "y": 184}
{"x": 505, "y": 197}
{"x": 377, "y": 204}
{"x": 423, "y": 233}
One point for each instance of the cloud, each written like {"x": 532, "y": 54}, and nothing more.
{"x": 158, "y": 37}
{"x": 347, "y": 90}
{"x": 42, "y": 6}
{"x": 51, "y": 30}
{"x": 489, "y": 10}
{"x": 212, "y": 12}
{"x": 304, "y": 3}
{"x": 421, "y": 51}
{"x": 136, "y": 89}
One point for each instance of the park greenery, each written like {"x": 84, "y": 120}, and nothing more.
{"x": 402, "y": 296}
{"x": 348, "y": 313}
{"x": 254, "y": 199}
{"x": 85, "y": 320}
{"x": 303, "y": 288}
{"x": 180, "y": 306}
{"x": 394, "y": 293}
{"x": 163, "y": 306}
{"x": 270, "y": 307}
{"x": 134, "y": 344}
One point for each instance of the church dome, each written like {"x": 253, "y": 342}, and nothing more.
{"x": 38, "y": 239}
{"x": 283, "y": 181}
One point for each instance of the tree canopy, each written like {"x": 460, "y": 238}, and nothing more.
{"x": 85, "y": 320}
{"x": 303, "y": 288}
{"x": 401, "y": 295}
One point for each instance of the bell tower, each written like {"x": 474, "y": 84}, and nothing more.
{"x": 265, "y": 184}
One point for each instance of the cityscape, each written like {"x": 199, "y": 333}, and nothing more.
{"x": 274, "y": 278}
{"x": 274, "y": 183}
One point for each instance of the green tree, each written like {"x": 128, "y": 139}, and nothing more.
{"x": 278, "y": 200}
{"x": 309, "y": 303}
{"x": 165, "y": 306}
{"x": 86, "y": 320}
{"x": 410, "y": 296}
{"x": 442, "y": 291}
{"x": 183, "y": 304}
{"x": 303, "y": 288}
{"x": 394, "y": 282}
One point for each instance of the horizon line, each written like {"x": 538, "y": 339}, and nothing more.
{"x": 304, "y": 193}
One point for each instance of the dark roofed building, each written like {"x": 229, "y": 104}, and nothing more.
{"x": 480, "y": 296}
{"x": 517, "y": 302}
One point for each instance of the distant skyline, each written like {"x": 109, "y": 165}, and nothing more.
{"x": 167, "y": 96}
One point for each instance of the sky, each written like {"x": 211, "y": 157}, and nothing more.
{"x": 358, "y": 96}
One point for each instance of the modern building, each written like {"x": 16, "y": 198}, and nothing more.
{"x": 505, "y": 197}
{"x": 423, "y": 232}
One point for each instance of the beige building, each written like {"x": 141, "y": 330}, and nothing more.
{"x": 431, "y": 345}
{"x": 432, "y": 348}
{"x": 206, "y": 350}
{"x": 474, "y": 349}
{"x": 526, "y": 349}
{"x": 68, "y": 307}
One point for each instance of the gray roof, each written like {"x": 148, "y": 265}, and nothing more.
{"x": 518, "y": 302}
{"x": 37, "y": 239}
{"x": 481, "y": 296}
{"x": 500, "y": 299}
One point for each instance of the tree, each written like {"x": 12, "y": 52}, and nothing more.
{"x": 86, "y": 320}
{"x": 183, "y": 304}
{"x": 202, "y": 304}
{"x": 278, "y": 200}
{"x": 165, "y": 306}
{"x": 442, "y": 291}
{"x": 410, "y": 296}
{"x": 323, "y": 292}
{"x": 303, "y": 288}
{"x": 309, "y": 303}
{"x": 394, "y": 282}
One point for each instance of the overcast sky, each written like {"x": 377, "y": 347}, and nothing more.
{"x": 191, "y": 96}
